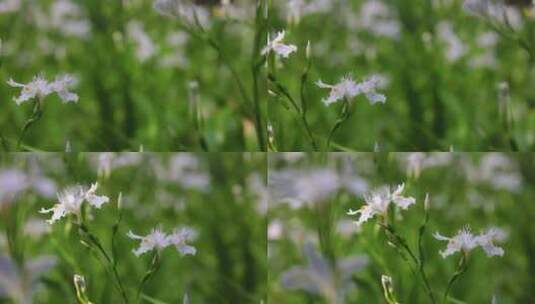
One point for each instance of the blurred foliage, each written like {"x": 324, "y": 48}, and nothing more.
{"x": 220, "y": 198}
{"x": 134, "y": 68}
{"x": 482, "y": 190}
{"x": 443, "y": 68}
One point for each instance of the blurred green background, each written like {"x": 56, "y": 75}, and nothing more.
{"x": 311, "y": 194}
{"x": 135, "y": 67}
{"x": 442, "y": 68}
{"x": 222, "y": 198}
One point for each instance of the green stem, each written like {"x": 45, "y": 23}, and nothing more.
{"x": 461, "y": 268}
{"x": 419, "y": 262}
{"x": 344, "y": 115}
{"x": 36, "y": 115}
{"x": 300, "y": 111}
{"x": 111, "y": 263}
{"x": 155, "y": 266}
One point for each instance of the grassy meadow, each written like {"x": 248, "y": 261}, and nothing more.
{"x": 145, "y": 80}
{"x": 317, "y": 253}
{"x": 453, "y": 79}
{"x": 221, "y": 202}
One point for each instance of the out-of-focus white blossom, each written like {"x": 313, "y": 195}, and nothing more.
{"x": 183, "y": 9}
{"x": 71, "y": 200}
{"x": 108, "y": 161}
{"x": 14, "y": 182}
{"x": 276, "y": 45}
{"x": 465, "y": 241}
{"x": 36, "y": 228}
{"x": 9, "y": 6}
{"x": 185, "y": 170}
{"x": 67, "y": 17}
{"x": 496, "y": 11}
{"x": 455, "y": 48}
{"x": 318, "y": 277}
{"x": 377, "y": 18}
{"x": 416, "y": 162}
{"x": 377, "y": 203}
{"x": 297, "y": 9}
{"x": 347, "y": 88}
{"x": 496, "y": 169}
{"x": 39, "y": 88}
{"x": 145, "y": 48}
{"x": 20, "y": 282}
{"x": 303, "y": 187}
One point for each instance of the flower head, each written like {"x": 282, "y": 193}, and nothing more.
{"x": 377, "y": 203}
{"x": 61, "y": 86}
{"x": 347, "y": 88}
{"x": 71, "y": 200}
{"x": 179, "y": 237}
{"x": 39, "y": 88}
{"x": 276, "y": 45}
{"x": 156, "y": 239}
{"x": 465, "y": 241}
{"x": 368, "y": 88}
{"x": 486, "y": 241}
{"x": 159, "y": 240}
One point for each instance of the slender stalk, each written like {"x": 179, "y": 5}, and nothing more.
{"x": 461, "y": 268}
{"x": 36, "y": 115}
{"x": 154, "y": 267}
{"x": 342, "y": 117}
{"x": 300, "y": 110}
{"x": 260, "y": 30}
{"x": 111, "y": 263}
{"x": 203, "y": 36}
{"x": 418, "y": 261}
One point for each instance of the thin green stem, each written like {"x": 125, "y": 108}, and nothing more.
{"x": 154, "y": 267}
{"x": 461, "y": 268}
{"x": 343, "y": 116}
{"x": 37, "y": 113}
{"x": 111, "y": 263}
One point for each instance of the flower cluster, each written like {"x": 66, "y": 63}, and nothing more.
{"x": 464, "y": 241}
{"x": 347, "y": 88}
{"x": 377, "y": 203}
{"x": 276, "y": 45}
{"x": 157, "y": 239}
{"x": 39, "y": 88}
{"x": 71, "y": 200}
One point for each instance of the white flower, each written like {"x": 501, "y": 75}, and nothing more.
{"x": 157, "y": 239}
{"x": 377, "y": 203}
{"x": 486, "y": 241}
{"x": 278, "y": 47}
{"x": 71, "y": 200}
{"x": 347, "y": 88}
{"x": 61, "y": 87}
{"x": 368, "y": 88}
{"x": 465, "y": 241}
{"x": 179, "y": 237}
{"x": 39, "y": 88}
